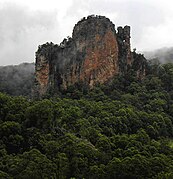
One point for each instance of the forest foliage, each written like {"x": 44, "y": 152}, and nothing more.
{"x": 120, "y": 130}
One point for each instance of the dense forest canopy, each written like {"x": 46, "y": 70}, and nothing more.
{"x": 121, "y": 130}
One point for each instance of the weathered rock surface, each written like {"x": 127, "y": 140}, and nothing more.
{"x": 94, "y": 54}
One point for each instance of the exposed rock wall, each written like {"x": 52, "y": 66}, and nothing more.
{"x": 94, "y": 54}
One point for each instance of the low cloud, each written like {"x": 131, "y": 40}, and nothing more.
{"x": 22, "y": 30}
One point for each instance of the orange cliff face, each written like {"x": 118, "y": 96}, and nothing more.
{"x": 95, "y": 38}
{"x": 101, "y": 62}
{"x": 42, "y": 74}
{"x": 94, "y": 54}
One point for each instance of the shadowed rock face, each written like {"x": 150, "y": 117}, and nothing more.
{"x": 94, "y": 54}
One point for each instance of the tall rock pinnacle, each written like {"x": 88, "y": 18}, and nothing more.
{"x": 94, "y": 54}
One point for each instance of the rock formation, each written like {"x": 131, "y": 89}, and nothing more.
{"x": 94, "y": 54}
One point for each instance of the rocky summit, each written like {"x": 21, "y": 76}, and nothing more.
{"x": 94, "y": 54}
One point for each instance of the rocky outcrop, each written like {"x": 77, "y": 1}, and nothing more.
{"x": 94, "y": 54}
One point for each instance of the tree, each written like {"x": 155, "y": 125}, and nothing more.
{"x": 40, "y": 115}
{"x": 11, "y": 136}
{"x": 33, "y": 164}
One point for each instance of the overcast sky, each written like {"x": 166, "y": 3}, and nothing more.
{"x": 25, "y": 24}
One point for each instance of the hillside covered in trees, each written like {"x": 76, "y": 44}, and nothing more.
{"x": 121, "y": 130}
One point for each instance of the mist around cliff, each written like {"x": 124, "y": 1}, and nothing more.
{"x": 17, "y": 79}
{"x": 163, "y": 55}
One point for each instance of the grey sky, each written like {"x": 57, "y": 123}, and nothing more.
{"x": 25, "y": 24}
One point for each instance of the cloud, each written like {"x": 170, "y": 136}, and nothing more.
{"x": 22, "y": 30}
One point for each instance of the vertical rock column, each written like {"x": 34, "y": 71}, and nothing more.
{"x": 124, "y": 56}
{"x": 41, "y": 74}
